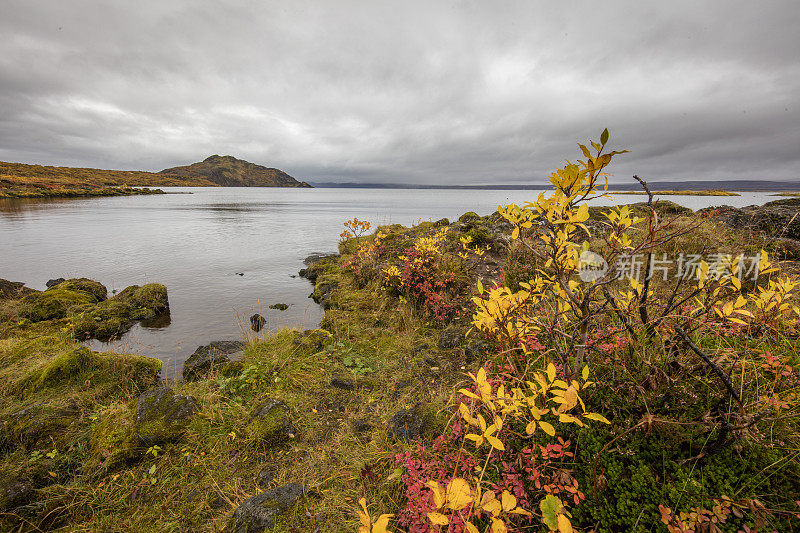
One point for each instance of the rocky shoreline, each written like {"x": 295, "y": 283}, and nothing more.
{"x": 283, "y": 432}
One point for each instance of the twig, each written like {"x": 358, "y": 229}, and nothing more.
{"x": 721, "y": 374}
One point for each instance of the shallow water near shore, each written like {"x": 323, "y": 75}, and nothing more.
{"x": 223, "y": 253}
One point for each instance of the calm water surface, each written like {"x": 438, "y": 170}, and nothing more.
{"x": 196, "y": 243}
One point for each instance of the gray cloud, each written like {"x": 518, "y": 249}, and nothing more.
{"x": 458, "y": 92}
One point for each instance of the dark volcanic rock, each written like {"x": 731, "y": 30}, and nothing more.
{"x": 407, "y": 424}
{"x": 161, "y": 415}
{"x": 54, "y": 282}
{"x": 13, "y": 289}
{"x": 257, "y": 322}
{"x": 271, "y": 422}
{"x": 279, "y": 307}
{"x": 451, "y": 337}
{"x": 780, "y": 219}
{"x": 210, "y": 356}
{"x": 260, "y": 512}
{"x": 343, "y": 382}
{"x": 14, "y": 492}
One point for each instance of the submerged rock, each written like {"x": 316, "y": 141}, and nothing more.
{"x": 279, "y": 307}
{"x": 257, "y": 322}
{"x": 161, "y": 415}
{"x": 207, "y": 358}
{"x": 261, "y": 511}
{"x": 271, "y": 422}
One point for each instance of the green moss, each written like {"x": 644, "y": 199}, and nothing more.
{"x": 97, "y": 290}
{"x": 146, "y": 301}
{"x": 67, "y": 367}
{"x": 113, "y": 440}
{"x": 469, "y": 216}
{"x": 38, "y": 423}
{"x": 270, "y": 422}
{"x": 53, "y": 304}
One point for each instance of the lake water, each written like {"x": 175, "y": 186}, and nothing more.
{"x": 196, "y": 243}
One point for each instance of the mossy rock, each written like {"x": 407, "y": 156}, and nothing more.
{"x": 95, "y": 289}
{"x": 261, "y": 512}
{"x": 15, "y": 491}
{"x": 146, "y": 301}
{"x": 67, "y": 367}
{"x": 469, "y": 216}
{"x": 53, "y": 304}
{"x": 113, "y": 441}
{"x": 270, "y": 422}
{"x": 38, "y": 423}
{"x": 107, "y": 320}
{"x": 313, "y": 339}
{"x": 11, "y": 290}
{"x": 162, "y": 415}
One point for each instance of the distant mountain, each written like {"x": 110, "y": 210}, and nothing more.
{"x": 227, "y": 171}
{"x": 694, "y": 185}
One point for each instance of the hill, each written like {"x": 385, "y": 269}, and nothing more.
{"x": 229, "y": 171}
{"x": 19, "y": 180}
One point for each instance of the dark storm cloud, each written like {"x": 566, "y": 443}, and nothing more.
{"x": 463, "y": 92}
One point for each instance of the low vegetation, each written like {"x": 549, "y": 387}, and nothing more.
{"x": 485, "y": 374}
{"x": 681, "y": 193}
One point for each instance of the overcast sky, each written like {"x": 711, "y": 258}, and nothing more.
{"x": 405, "y": 91}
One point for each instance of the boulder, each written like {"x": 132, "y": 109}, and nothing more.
{"x": 408, "y": 424}
{"x": 147, "y": 301}
{"x": 343, "y": 382}
{"x": 54, "y": 282}
{"x": 450, "y": 338}
{"x": 14, "y": 492}
{"x": 270, "y": 422}
{"x": 257, "y": 322}
{"x": 97, "y": 290}
{"x": 207, "y": 358}
{"x": 38, "y": 423}
{"x": 780, "y": 219}
{"x": 260, "y": 512}
{"x": 11, "y": 290}
{"x": 162, "y": 415}
{"x": 54, "y": 303}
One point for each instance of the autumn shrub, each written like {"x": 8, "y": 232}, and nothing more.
{"x": 662, "y": 350}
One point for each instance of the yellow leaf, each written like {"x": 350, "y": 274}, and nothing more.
{"x": 438, "y": 493}
{"x": 551, "y": 372}
{"x": 564, "y": 525}
{"x": 470, "y": 528}
{"x": 595, "y": 416}
{"x": 459, "y": 494}
{"x": 570, "y": 399}
{"x": 585, "y": 372}
{"x": 531, "y": 427}
{"x": 495, "y": 442}
{"x": 438, "y": 519}
{"x": 381, "y": 523}
{"x": 547, "y": 428}
{"x": 498, "y": 526}
{"x": 509, "y": 501}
